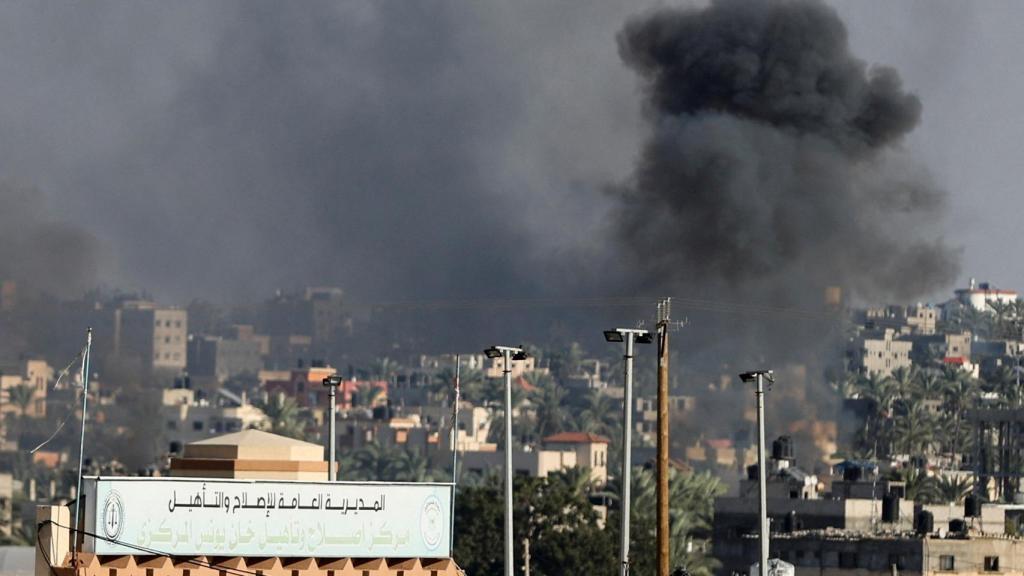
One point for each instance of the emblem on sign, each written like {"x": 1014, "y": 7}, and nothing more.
{"x": 113, "y": 516}
{"x": 431, "y": 522}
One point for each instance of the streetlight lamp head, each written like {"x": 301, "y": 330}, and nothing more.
{"x": 752, "y": 376}
{"x": 521, "y": 355}
{"x": 492, "y": 352}
{"x": 333, "y": 380}
{"x": 619, "y": 335}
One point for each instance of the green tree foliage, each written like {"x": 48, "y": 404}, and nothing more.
{"x": 554, "y": 513}
{"x": 367, "y": 395}
{"x": 691, "y": 511}
{"x": 21, "y": 396}
{"x": 377, "y": 462}
{"x": 284, "y": 416}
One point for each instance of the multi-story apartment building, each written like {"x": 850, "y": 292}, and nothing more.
{"x": 305, "y": 385}
{"x": 220, "y": 358}
{"x": 558, "y": 452}
{"x": 188, "y": 419}
{"x": 23, "y": 388}
{"x": 879, "y": 353}
{"x": 156, "y": 335}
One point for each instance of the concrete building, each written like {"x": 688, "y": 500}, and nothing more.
{"x": 220, "y": 358}
{"x": 495, "y": 367}
{"x": 645, "y": 415}
{"x": 188, "y": 419}
{"x": 916, "y": 319}
{"x": 156, "y": 335}
{"x": 591, "y": 375}
{"x": 879, "y": 353}
{"x": 949, "y": 348}
{"x": 6, "y": 504}
{"x": 845, "y": 553}
{"x": 591, "y": 452}
{"x": 980, "y": 295}
{"x": 305, "y": 385}
{"x": 252, "y": 455}
{"x": 34, "y": 378}
{"x": 559, "y": 452}
{"x": 316, "y": 312}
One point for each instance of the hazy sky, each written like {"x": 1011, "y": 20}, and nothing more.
{"x": 414, "y": 149}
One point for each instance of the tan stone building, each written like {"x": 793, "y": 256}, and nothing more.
{"x": 156, "y": 335}
{"x": 35, "y": 376}
{"x": 254, "y": 455}
{"x": 880, "y": 353}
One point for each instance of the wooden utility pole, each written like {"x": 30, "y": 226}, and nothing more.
{"x": 662, "y": 492}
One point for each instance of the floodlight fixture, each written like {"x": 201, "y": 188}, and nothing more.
{"x": 333, "y": 380}
{"x": 751, "y": 376}
{"x": 516, "y": 353}
{"x": 613, "y": 336}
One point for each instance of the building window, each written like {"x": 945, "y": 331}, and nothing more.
{"x": 991, "y": 563}
{"x": 947, "y": 563}
{"x": 197, "y": 425}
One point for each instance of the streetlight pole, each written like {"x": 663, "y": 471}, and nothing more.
{"x": 507, "y": 354}
{"x": 759, "y": 377}
{"x": 629, "y": 337}
{"x": 332, "y": 382}
{"x": 81, "y": 445}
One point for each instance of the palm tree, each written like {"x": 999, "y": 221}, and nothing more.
{"x": 880, "y": 392}
{"x": 367, "y": 395}
{"x": 915, "y": 431}
{"x": 410, "y": 466}
{"x": 547, "y": 403}
{"x": 920, "y": 487}
{"x": 953, "y": 488}
{"x": 283, "y": 414}
{"x": 21, "y": 396}
{"x": 600, "y": 414}
{"x": 961, "y": 392}
{"x": 905, "y": 381}
{"x": 930, "y": 385}
{"x": 384, "y": 368}
{"x": 691, "y": 508}
{"x": 471, "y": 381}
{"x": 372, "y": 462}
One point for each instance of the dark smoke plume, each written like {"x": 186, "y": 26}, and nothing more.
{"x": 773, "y": 167}
{"x": 40, "y": 252}
{"x": 772, "y": 171}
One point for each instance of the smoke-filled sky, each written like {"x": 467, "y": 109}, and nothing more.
{"x": 424, "y": 150}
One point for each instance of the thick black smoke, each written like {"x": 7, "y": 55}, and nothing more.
{"x": 40, "y": 252}
{"x": 773, "y": 171}
{"x": 773, "y": 168}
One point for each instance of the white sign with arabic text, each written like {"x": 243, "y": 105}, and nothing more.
{"x": 219, "y": 517}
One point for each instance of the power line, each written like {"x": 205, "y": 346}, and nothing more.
{"x": 685, "y": 303}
